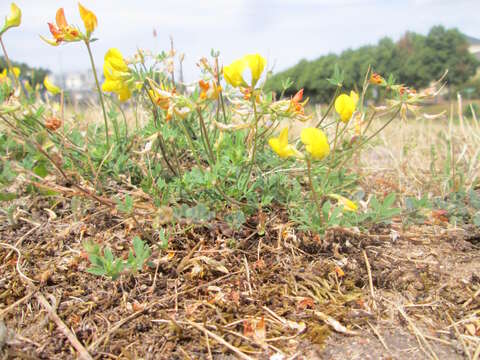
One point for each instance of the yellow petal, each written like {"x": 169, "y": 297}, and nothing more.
{"x": 52, "y": 42}
{"x": 281, "y": 146}
{"x": 277, "y": 147}
{"x": 345, "y": 106}
{"x": 124, "y": 93}
{"x": 111, "y": 85}
{"x": 316, "y": 142}
{"x": 89, "y": 19}
{"x": 28, "y": 87}
{"x": 283, "y": 137}
{"x": 115, "y": 60}
{"x": 51, "y": 88}
{"x": 348, "y": 205}
{"x": 256, "y": 63}
{"x": 16, "y": 71}
{"x": 233, "y": 73}
{"x": 14, "y": 18}
{"x": 3, "y": 74}
{"x": 354, "y": 97}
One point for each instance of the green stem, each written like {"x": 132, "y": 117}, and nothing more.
{"x": 252, "y": 162}
{"x": 314, "y": 193}
{"x": 119, "y": 105}
{"x": 9, "y": 64}
{"x": 161, "y": 141}
{"x": 370, "y": 137}
{"x": 330, "y": 106}
{"x": 220, "y": 95}
{"x": 100, "y": 94}
{"x": 205, "y": 134}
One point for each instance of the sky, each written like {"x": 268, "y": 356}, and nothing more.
{"x": 284, "y": 31}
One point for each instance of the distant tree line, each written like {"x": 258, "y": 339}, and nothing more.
{"x": 415, "y": 60}
{"x": 33, "y": 75}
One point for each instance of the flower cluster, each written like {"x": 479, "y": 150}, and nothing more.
{"x": 63, "y": 32}
{"x": 117, "y": 75}
{"x": 315, "y": 141}
{"x": 234, "y": 72}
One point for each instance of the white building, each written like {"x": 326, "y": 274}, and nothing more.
{"x": 79, "y": 86}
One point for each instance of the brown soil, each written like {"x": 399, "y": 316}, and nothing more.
{"x": 223, "y": 294}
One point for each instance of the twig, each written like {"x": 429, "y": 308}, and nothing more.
{"x": 208, "y": 347}
{"x": 335, "y": 324}
{"x": 459, "y": 336}
{"x": 471, "y": 299}
{"x": 19, "y": 241}
{"x": 139, "y": 312}
{"x": 247, "y": 271}
{"x": 184, "y": 261}
{"x": 380, "y": 338}
{"x": 119, "y": 324}
{"x": 476, "y": 356}
{"x": 370, "y": 281}
{"x": 417, "y": 332}
{"x": 83, "y": 353}
{"x": 19, "y": 269}
{"x": 15, "y": 304}
{"x": 219, "y": 339}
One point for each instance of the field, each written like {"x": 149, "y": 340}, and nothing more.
{"x": 162, "y": 220}
{"x": 402, "y": 289}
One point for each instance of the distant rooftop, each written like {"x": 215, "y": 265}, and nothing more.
{"x": 474, "y": 46}
{"x": 472, "y": 40}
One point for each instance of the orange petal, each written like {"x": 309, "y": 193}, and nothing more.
{"x": 298, "y": 96}
{"x": 60, "y": 18}
{"x": 54, "y": 30}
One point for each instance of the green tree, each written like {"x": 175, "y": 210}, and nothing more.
{"x": 415, "y": 60}
{"x": 33, "y": 75}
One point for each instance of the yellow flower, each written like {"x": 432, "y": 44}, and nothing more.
{"x": 281, "y": 146}
{"x": 316, "y": 142}
{"x": 233, "y": 73}
{"x": 28, "y": 87}
{"x": 3, "y": 74}
{"x": 13, "y": 19}
{"x": 51, "y": 88}
{"x": 89, "y": 19}
{"x": 16, "y": 71}
{"x": 117, "y": 74}
{"x": 345, "y": 105}
{"x": 348, "y": 205}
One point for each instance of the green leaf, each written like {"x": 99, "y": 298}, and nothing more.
{"x": 474, "y": 199}
{"x": 389, "y": 200}
{"x": 476, "y": 219}
{"x": 163, "y": 239}
{"x": 41, "y": 170}
{"x": 126, "y": 206}
{"x": 7, "y": 196}
{"x": 95, "y": 260}
{"x": 107, "y": 253}
{"x": 96, "y": 271}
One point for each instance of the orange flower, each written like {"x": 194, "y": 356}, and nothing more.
{"x": 295, "y": 103}
{"x": 62, "y": 31}
{"x": 405, "y": 89}
{"x": 209, "y": 91}
{"x": 376, "y": 79}
{"x": 204, "y": 86}
{"x": 53, "y": 123}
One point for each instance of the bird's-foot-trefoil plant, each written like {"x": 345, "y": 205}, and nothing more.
{"x": 224, "y": 144}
